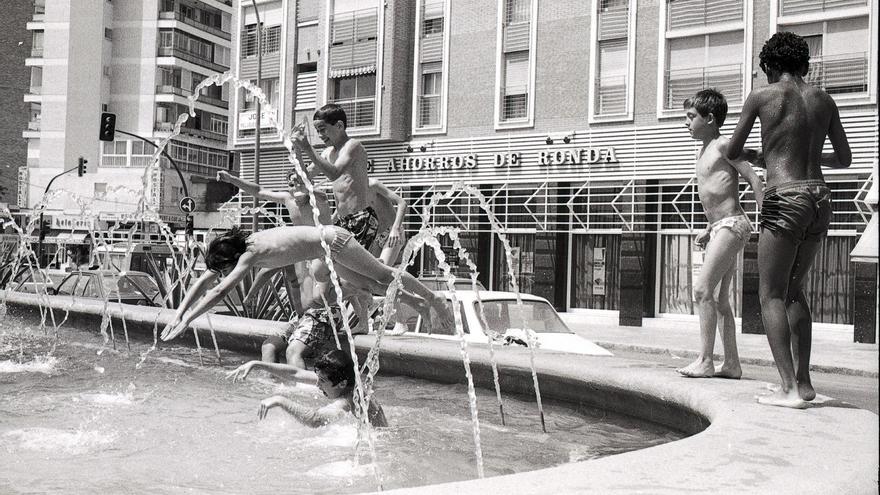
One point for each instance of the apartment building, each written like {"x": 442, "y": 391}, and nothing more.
{"x": 567, "y": 116}
{"x": 139, "y": 60}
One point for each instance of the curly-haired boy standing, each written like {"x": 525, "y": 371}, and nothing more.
{"x": 795, "y": 118}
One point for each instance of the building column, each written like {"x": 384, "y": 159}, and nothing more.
{"x": 865, "y": 303}
{"x": 751, "y": 300}
{"x": 635, "y": 264}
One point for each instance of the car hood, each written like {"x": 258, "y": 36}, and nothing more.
{"x": 569, "y": 342}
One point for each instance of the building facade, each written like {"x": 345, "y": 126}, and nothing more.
{"x": 139, "y": 60}
{"x": 567, "y": 117}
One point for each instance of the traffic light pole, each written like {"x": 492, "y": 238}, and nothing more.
{"x": 42, "y": 237}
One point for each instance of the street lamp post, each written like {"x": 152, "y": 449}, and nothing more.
{"x": 257, "y": 133}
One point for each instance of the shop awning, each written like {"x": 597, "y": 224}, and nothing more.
{"x": 352, "y": 71}
{"x": 866, "y": 249}
{"x": 62, "y": 237}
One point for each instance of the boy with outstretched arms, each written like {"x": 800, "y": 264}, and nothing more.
{"x": 334, "y": 375}
{"x": 344, "y": 162}
{"x": 727, "y": 234}
{"x": 795, "y": 119}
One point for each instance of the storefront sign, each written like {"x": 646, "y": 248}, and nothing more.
{"x": 577, "y": 156}
{"x": 72, "y": 223}
{"x": 548, "y": 157}
{"x": 248, "y": 120}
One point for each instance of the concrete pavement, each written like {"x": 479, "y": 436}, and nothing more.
{"x": 833, "y": 350}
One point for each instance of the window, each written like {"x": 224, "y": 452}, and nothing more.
{"x": 430, "y": 93}
{"x": 270, "y": 89}
{"x": 432, "y": 26}
{"x": 517, "y": 11}
{"x": 516, "y": 86}
{"x": 306, "y": 86}
{"x": 36, "y": 85}
{"x": 37, "y": 44}
{"x": 610, "y": 95}
{"x": 356, "y": 95}
{"x": 270, "y": 42}
{"x": 839, "y": 52}
{"x": 108, "y": 33}
{"x": 715, "y": 57}
{"x": 430, "y": 57}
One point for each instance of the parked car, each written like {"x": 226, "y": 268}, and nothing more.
{"x": 36, "y": 281}
{"x": 127, "y": 287}
{"x": 503, "y": 317}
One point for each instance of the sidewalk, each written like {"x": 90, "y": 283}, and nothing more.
{"x": 832, "y": 351}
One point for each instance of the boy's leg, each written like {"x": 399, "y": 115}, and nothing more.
{"x": 720, "y": 257}
{"x": 295, "y": 351}
{"x": 270, "y": 349}
{"x": 730, "y": 367}
{"x": 799, "y": 318}
{"x": 776, "y": 255}
{"x": 356, "y": 258}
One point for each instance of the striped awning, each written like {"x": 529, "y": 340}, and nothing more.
{"x": 352, "y": 71}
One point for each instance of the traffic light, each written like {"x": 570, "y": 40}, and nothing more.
{"x": 108, "y": 126}
{"x": 81, "y": 166}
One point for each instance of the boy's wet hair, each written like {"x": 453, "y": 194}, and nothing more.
{"x": 225, "y": 250}
{"x": 708, "y": 101}
{"x": 336, "y": 365}
{"x": 785, "y": 52}
{"x": 331, "y": 113}
{"x": 293, "y": 179}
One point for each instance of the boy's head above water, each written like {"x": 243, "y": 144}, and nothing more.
{"x": 224, "y": 251}
{"x": 330, "y": 122}
{"x": 705, "y": 113}
{"x": 784, "y": 52}
{"x": 335, "y": 371}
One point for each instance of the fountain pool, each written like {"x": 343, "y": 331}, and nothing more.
{"x": 76, "y": 421}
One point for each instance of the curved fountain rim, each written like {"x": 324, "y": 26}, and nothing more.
{"x": 746, "y": 447}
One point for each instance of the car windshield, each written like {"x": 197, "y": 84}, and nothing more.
{"x": 145, "y": 283}
{"x": 503, "y": 315}
{"x": 124, "y": 286}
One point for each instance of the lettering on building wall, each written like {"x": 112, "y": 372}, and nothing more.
{"x": 577, "y": 156}
{"x": 434, "y": 162}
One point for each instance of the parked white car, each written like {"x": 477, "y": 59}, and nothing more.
{"x": 504, "y": 318}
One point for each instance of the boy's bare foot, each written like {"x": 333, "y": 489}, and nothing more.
{"x": 805, "y": 390}
{"x": 700, "y": 368}
{"x": 734, "y": 372}
{"x": 789, "y": 399}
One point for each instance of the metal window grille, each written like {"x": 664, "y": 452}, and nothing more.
{"x": 840, "y": 74}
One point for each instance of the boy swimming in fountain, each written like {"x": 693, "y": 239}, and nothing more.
{"x": 727, "y": 234}
{"x": 234, "y": 254}
{"x": 795, "y": 119}
{"x": 334, "y": 375}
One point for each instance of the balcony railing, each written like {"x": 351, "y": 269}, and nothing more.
{"x": 515, "y": 103}
{"x": 196, "y": 24}
{"x": 840, "y": 74}
{"x": 168, "y": 89}
{"x": 360, "y": 112}
{"x": 429, "y": 110}
{"x": 170, "y": 51}
{"x": 684, "y": 83}
{"x": 37, "y": 51}
{"x": 33, "y": 125}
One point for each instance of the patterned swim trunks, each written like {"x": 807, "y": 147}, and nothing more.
{"x": 363, "y": 224}
{"x": 738, "y": 224}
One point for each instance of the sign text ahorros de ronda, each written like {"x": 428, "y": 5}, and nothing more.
{"x": 547, "y": 158}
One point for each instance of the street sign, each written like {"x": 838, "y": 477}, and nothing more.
{"x": 187, "y": 204}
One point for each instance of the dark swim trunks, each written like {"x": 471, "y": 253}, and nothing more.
{"x": 363, "y": 224}
{"x": 799, "y": 209}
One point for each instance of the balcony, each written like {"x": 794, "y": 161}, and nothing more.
{"x": 37, "y": 52}
{"x": 170, "y": 51}
{"x": 684, "y": 83}
{"x": 177, "y": 16}
{"x": 429, "y": 111}
{"x": 360, "y": 111}
{"x": 188, "y": 131}
{"x": 168, "y": 89}
{"x": 840, "y": 74}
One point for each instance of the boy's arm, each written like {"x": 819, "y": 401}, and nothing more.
{"x": 842, "y": 155}
{"x": 382, "y": 190}
{"x": 192, "y": 294}
{"x": 252, "y": 188}
{"x": 332, "y": 170}
{"x": 745, "y": 169}
{"x": 743, "y": 127}
{"x": 313, "y": 418}
{"x": 282, "y": 371}
{"x": 213, "y": 296}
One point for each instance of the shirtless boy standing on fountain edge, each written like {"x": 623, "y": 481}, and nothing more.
{"x": 727, "y": 234}
{"x": 795, "y": 118}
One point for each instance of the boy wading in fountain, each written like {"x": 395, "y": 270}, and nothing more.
{"x": 234, "y": 254}
{"x": 344, "y": 162}
{"x": 334, "y": 375}
{"x": 727, "y": 234}
{"x": 795, "y": 118}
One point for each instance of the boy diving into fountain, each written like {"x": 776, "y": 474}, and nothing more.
{"x": 234, "y": 254}
{"x": 334, "y": 375}
{"x": 344, "y": 162}
{"x": 727, "y": 234}
{"x": 795, "y": 119}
